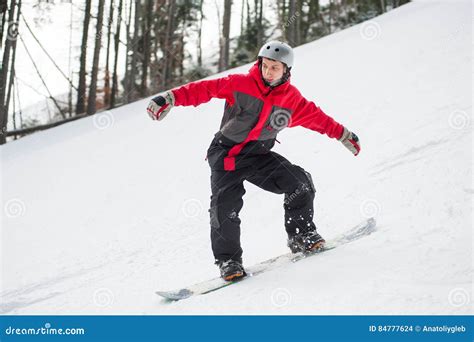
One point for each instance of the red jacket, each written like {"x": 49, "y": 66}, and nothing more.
{"x": 255, "y": 111}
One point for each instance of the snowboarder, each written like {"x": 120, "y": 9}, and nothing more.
{"x": 258, "y": 106}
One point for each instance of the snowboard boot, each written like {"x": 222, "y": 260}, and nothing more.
{"x": 306, "y": 242}
{"x": 231, "y": 269}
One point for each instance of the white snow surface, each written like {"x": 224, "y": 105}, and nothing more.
{"x": 100, "y": 213}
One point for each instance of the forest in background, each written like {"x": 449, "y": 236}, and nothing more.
{"x": 154, "y": 39}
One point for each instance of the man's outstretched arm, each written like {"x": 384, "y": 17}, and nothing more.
{"x": 310, "y": 116}
{"x": 191, "y": 94}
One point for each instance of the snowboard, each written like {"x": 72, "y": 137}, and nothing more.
{"x": 362, "y": 229}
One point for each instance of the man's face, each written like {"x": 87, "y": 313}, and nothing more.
{"x": 272, "y": 70}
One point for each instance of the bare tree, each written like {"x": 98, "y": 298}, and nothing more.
{"x": 168, "y": 50}
{"x": 12, "y": 65}
{"x": 3, "y": 11}
{"x": 81, "y": 88}
{"x": 298, "y": 19}
{"x": 291, "y": 23}
{"x": 312, "y": 16}
{"x": 179, "y": 60}
{"x": 242, "y": 17}
{"x": 107, "y": 71}
{"x": 259, "y": 20}
{"x": 116, "y": 49}
{"x": 4, "y": 75}
{"x": 225, "y": 40}
{"x": 130, "y": 91}
{"x": 199, "y": 45}
{"x": 331, "y": 15}
{"x": 128, "y": 25}
{"x": 281, "y": 10}
{"x": 146, "y": 38}
{"x": 91, "y": 101}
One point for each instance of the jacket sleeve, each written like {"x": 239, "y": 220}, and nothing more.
{"x": 310, "y": 116}
{"x": 196, "y": 93}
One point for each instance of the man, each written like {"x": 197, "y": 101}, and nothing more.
{"x": 258, "y": 105}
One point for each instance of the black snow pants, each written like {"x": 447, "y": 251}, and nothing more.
{"x": 267, "y": 170}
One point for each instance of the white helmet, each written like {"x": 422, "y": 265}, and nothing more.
{"x": 278, "y": 51}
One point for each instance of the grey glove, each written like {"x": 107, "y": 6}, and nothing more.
{"x": 160, "y": 105}
{"x": 350, "y": 141}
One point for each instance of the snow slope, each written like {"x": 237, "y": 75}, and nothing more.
{"x": 101, "y": 212}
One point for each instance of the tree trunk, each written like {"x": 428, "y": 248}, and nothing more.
{"x": 331, "y": 5}
{"x": 260, "y": 24}
{"x": 3, "y": 11}
{"x": 281, "y": 18}
{"x": 147, "y": 24}
{"x": 69, "y": 66}
{"x": 12, "y": 66}
{"x": 127, "y": 54}
{"x": 180, "y": 53}
{"x": 199, "y": 45}
{"x": 159, "y": 29}
{"x": 249, "y": 20}
{"x": 116, "y": 49}
{"x": 291, "y": 23}
{"x": 134, "y": 51}
{"x": 299, "y": 10}
{"x": 224, "y": 51}
{"x": 91, "y": 105}
{"x": 313, "y": 15}
{"x": 81, "y": 88}
{"x": 242, "y": 16}
{"x": 17, "y": 113}
{"x": 3, "y": 78}
{"x": 168, "y": 50}
{"x": 107, "y": 72}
